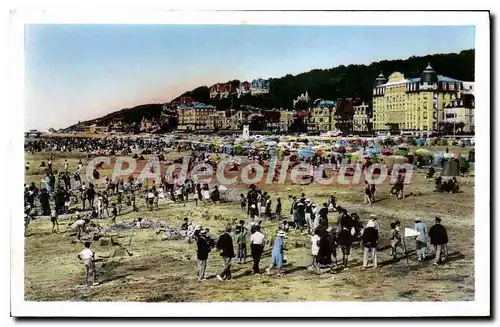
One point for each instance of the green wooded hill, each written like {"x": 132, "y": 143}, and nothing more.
{"x": 339, "y": 82}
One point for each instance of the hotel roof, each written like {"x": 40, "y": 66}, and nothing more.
{"x": 441, "y": 78}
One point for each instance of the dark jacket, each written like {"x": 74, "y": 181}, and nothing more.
{"x": 203, "y": 248}
{"x": 225, "y": 243}
{"x": 332, "y": 239}
{"x": 323, "y": 213}
{"x": 370, "y": 237}
{"x": 438, "y": 235}
{"x": 344, "y": 238}
{"x": 324, "y": 256}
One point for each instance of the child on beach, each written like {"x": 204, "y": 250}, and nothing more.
{"x": 88, "y": 257}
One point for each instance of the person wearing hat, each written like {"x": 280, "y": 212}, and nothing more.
{"x": 370, "y": 240}
{"x": 257, "y": 241}
{"x": 278, "y": 253}
{"x": 323, "y": 216}
{"x": 439, "y": 239}
{"x": 226, "y": 248}
{"x": 204, "y": 248}
{"x": 376, "y": 223}
{"x": 421, "y": 240}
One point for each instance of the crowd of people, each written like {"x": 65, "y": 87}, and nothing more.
{"x": 69, "y": 194}
{"x": 325, "y": 240}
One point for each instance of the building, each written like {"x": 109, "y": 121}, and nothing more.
{"x": 361, "y": 118}
{"x": 272, "y": 120}
{"x": 458, "y": 116}
{"x": 259, "y": 86}
{"x": 320, "y": 119}
{"x": 147, "y": 125}
{"x": 244, "y": 88}
{"x": 344, "y": 114}
{"x": 223, "y": 120}
{"x": 95, "y": 129}
{"x": 80, "y": 128}
{"x": 196, "y": 116}
{"x": 286, "y": 119}
{"x": 412, "y": 104}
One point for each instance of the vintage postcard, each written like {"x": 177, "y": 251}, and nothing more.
{"x": 237, "y": 164}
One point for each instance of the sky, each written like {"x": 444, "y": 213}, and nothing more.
{"x": 80, "y": 72}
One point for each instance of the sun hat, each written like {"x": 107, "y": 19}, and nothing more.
{"x": 281, "y": 233}
{"x": 370, "y": 224}
{"x": 203, "y": 232}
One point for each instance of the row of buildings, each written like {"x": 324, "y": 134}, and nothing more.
{"x": 322, "y": 116}
{"x": 256, "y": 87}
{"x": 428, "y": 103}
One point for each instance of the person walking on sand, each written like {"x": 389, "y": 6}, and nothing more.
{"x": 241, "y": 240}
{"x": 257, "y": 241}
{"x": 226, "y": 248}
{"x": 278, "y": 254}
{"x": 421, "y": 240}
{"x": 202, "y": 254}
{"x": 439, "y": 239}
{"x": 367, "y": 198}
{"x": 345, "y": 242}
{"x": 370, "y": 240}
{"x": 88, "y": 257}
{"x": 54, "y": 220}
{"x": 315, "y": 247}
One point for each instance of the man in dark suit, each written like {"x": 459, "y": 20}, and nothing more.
{"x": 202, "y": 254}
{"x": 439, "y": 238}
{"x": 226, "y": 248}
{"x": 370, "y": 240}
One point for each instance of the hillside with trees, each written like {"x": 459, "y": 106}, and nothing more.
{"x": 353, "y": 81}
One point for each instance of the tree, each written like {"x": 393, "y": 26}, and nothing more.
{"x": 301, "y": 105}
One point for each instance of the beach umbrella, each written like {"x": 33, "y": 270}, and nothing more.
{"x": 305, "y": 153}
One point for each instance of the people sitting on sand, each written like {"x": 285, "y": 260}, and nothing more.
{"x": 185, "y": 224}
{"x": 398, "y": 188}
{"x": 431, "y": 172}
